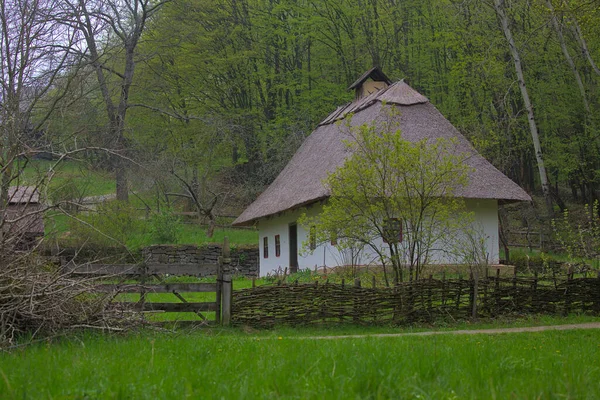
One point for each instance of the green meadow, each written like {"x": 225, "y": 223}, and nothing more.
{"x": 233, "y": 364}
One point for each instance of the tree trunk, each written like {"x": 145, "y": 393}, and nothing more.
{"x": 504, "y": 21}
{"x": 583, "y": 44}
{"x": 122, "y": 181}
{"x": 565, "y": 50}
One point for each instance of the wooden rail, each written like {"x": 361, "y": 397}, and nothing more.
{"x": 141, "y": 269}
{"x": 143, "y": 272}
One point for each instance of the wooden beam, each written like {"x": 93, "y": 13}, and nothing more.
{"x": 226, "y": 302}
{"x": 104, "y": 269}
{"x": 183, "y": 269}
{"x": 160, "y": 288}
{"x": 175, "y": 307}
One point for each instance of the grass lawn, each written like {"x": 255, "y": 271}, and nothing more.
{"x": 57, "y": 223}
{"x": 88, "y": 182}
{"x": 231, "y": 364}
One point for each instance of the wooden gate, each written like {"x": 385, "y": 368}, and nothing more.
{"x": 142, "y": 273}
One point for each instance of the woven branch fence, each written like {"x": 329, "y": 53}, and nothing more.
{"x": 419, "y": 301}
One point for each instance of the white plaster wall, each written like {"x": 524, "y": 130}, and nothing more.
{"x": 279, "y": 225}
{"x": 485, "y": 223}
{"x": 486, "y": 220}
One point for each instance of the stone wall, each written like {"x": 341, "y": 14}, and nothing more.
{"x": 244, "y": 259}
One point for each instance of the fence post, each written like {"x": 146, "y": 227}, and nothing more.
{"x": 143, "y": 274}
{"x": 534, "y": 300}
{"x": 222, "y": 260}
{"x": 430, "y": 285}
{"x": 443, "y": 288}
{"x": 568, "y": 290}
{"x": 355, "y": 308}
{"x": 227, "y": 297}
{"x": 218, "y": 290}
{"x": 497, "y": 294}
{"x": 475, "y": 279}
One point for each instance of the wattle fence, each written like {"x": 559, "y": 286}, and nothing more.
{"x": 424, "y": 300}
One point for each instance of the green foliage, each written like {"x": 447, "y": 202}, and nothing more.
{"x": 125, "y": 225}
{"x": 541, "y": 263}
{"x": 580, "y": 239}
{"x": 240, "y": 84}
{"x": 67, "y": 192}
{"x": 111, "y": 224}
{"x": 387, "y": 178}
{"x": 165, "y": 227}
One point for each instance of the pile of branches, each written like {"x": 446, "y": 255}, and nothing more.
{"x": 38, "y": 300}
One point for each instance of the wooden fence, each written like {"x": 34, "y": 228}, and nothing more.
{"x": 422, "y": 300}
{"x": 142, "y": 273}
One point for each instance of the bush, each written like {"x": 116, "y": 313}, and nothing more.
{"x": 580, "y": 240}
{"x": 69, "y": 193}
{"x": 541, "y": 263}
{"x": 165, "y": 227}
{"x": 112, "y": 223}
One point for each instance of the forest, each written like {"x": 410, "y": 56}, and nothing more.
{"x": 186, "y": 110}
{"x": 206, "y": 100}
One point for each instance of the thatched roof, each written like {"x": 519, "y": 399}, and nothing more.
{"x": 23, "y": 195}
{"x": 301, "y": 181}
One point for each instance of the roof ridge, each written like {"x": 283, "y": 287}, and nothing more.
{"x": 402, "y": 94}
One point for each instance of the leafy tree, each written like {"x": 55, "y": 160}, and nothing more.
{"x": 34, "y": 48}
{"x": 111, "y": 31}
{"x": 388, "y": 178}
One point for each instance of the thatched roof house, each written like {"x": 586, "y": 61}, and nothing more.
{"x": 300, "y": 182}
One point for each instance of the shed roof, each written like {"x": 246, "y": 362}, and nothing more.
{"x": 23, "y": 195}
{"x": 301, "y": 181}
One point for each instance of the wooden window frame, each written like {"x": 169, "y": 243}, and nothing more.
{"x": 277, "y": 246}
{"x": 399, "y": 233}
{"x": 266, "y": 247}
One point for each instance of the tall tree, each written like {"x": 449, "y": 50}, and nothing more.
{"x": 34, "y": 50}
{"x": 111, "y": 31}
{"x": 505, "y": 24}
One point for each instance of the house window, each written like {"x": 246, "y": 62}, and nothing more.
{"x": 312, "y": 237}
{"x": 392, "y": 230}
{"x": 265, "y": 247}
{"x": 277, "y": 246}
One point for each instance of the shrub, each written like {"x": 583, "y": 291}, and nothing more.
{"x": 542, "y": 263}
{"x": 165, "y": 227}
{"x": 69, "y": 193}
{"x": 112, "y": 223}
{"x": 580, "y": 240}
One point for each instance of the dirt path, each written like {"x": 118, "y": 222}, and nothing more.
{"x": 589, "y": 325}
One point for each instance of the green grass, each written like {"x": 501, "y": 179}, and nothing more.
{"x": 192, "y": 234}
{"x": 89, "y": 182}
{"x": 234, "y": 365}
{"x": 139, "y": 236}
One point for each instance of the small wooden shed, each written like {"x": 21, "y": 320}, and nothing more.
{"x": 24, "y": 215}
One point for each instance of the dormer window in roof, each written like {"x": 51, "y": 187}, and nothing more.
{"x": 370, "y": 82}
